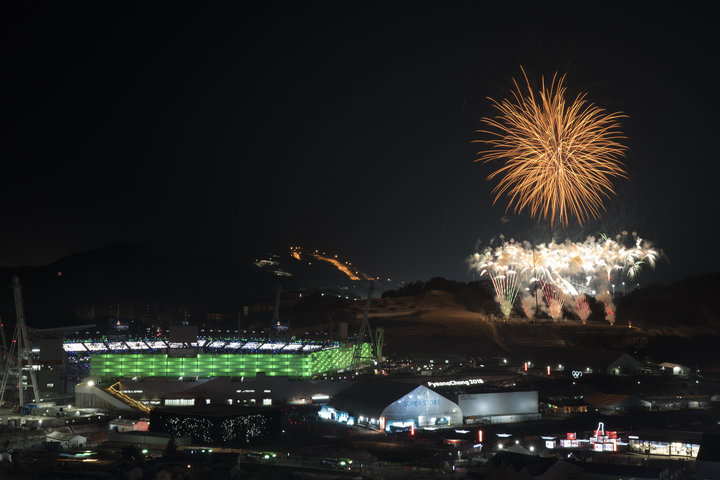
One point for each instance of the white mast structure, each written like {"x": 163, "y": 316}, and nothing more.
{"x": 365, "y": 332}
{"x": 24, "y": 351}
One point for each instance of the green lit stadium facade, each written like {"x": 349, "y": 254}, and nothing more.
{"x": 209, "y": 365}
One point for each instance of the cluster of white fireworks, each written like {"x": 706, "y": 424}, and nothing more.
{"x": 566, "y": 273}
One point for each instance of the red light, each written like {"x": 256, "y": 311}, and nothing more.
{"x": 479, "y": 436}
{"x": 548, "y": 369}
{"x": 526, "y": 366}
{"x": 412, "y": 429}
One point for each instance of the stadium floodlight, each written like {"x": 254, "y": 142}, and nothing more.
{"x": 74, "y": 347}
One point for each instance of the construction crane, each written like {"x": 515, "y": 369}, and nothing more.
{"x": 366, "y": 331}
{"x": 20, "y": 345}
{"x": 2, "y": 332}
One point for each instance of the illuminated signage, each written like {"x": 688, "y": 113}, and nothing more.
{"x": 452, "y": 383}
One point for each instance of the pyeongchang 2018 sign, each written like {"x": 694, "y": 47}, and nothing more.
{"x": 452, "y": 383}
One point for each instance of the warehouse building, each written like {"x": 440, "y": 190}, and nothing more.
{"x": 499, "y": 407}
{"x": 387, "y": 405}
{"x": 260, "y": 390}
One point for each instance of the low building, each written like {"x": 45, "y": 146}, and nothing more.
{"x": 674, "y": 369}
{"x": 499, "y": 407}
{"x": 66, "y": 440}
{"x": 666, "y": 442}
{"x": 627, "y": 365}
{"x": 128, "y": 425}
{"x": 611, "y": 403}
{"x": 147, "y": 439}
{"x": 388, "y": 405}
{"x": 261, "y": 390}
{"x": 567, "y": 406}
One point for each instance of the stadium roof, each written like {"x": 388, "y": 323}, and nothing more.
{"x": 370, "y": 397}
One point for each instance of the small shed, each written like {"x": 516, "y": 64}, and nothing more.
{"x": 626, "y": 365}
{"x": 674, "y": 369}
{"x": 128, "y": 425}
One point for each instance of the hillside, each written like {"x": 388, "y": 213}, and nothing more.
{"x": 440, "y": 322}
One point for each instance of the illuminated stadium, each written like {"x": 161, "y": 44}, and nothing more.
{"x": 208, "y": 358}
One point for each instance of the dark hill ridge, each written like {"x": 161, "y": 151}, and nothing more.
{"x": 688, "y": 304}
{"x": 126, "y": 273}
{"x": 130, "y": 273}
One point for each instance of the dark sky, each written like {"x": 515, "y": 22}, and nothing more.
{"x": 237, "y": 133}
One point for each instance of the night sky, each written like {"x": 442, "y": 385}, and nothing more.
{"x": 233, "y": 134}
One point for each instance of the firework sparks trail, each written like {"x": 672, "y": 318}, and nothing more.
{"x": 558, "y": 156}
{"x": 610, "y": 313}
{"x": 572, "y": 268}
{"x": 501, "y": 265}
{"x": 553, "y": 297}
{"x": 583, "y": 308}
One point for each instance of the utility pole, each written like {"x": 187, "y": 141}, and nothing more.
{"x": 537, "y": 307}
{"x": 2, "y": 332}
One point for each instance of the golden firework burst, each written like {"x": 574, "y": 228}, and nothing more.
{"x": 558, "y": 157}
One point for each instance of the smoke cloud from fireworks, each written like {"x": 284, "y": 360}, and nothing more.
{"x": 563, "y": 271}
